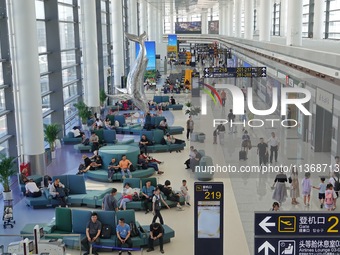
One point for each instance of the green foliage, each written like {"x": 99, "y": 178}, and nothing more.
{"x": 6, "y": 170}
{"x": 193, "y": 110}
{"x": 51, "y": 134}
{"x": 102, "y": 96}
{"x": 188, "y": 104}
{"x": 84, "y": 111}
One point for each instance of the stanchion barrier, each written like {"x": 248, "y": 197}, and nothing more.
{"x": 113, "y": 248}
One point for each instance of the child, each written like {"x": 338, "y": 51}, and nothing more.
{"x": 275, "y": 207}
{"x": 322, "y": 190}
{"x": 306, "y": 189}
{"x": 215, "y": 135}
{"x": 184, "y": 192}
{"x": 330, "y": 197}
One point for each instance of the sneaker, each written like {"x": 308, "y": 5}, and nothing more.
{"x": 160, "y": 172}
{"x": 147, "y": 211}
{"x": 120, "y": 253}
{"x": 162, "y": 251}
{"x": 150, "y": 249}
{"x": 129, "y": 253}
{"x": 179, "y": 207}
{"x": 188, "y": 204}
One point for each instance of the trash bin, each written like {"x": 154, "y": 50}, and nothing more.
{"x": 201, "y": 137}
{"x": 194, "y": 137}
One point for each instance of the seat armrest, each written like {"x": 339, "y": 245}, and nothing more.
{"x": 142, "y": 233}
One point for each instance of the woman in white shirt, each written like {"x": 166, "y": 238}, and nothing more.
{"x": 127, "y": 196}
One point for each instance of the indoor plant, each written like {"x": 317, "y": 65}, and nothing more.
{"x": 191, "y": 109}
{"x": 102, "y": 97}
{"x": 84, "y": 111}
{"x": 6, "y": 171}
{"x": 51, "y": 135}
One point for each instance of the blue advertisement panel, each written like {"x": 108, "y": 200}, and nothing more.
{"x": 172, "y": 46}
{"x": 150, "y": 52}
{"x": 188, "y": 27}
{"x": 172, "y": 40}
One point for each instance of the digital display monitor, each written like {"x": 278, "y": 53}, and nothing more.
{"x": 209, "y": 219}
{"x": 30, "y": 246}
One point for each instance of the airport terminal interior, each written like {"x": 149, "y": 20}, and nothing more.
{"x": 252, "y": 85}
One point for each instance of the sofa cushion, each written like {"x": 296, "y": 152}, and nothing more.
{"x": 63, "y": 219}
{"x": 107, "y": 217}
{"x": 157, "y": 99}
{"x": 120, "y": 119}
{"x": 76, "y": 184}
{"x": 70, "y": 134}
{"x": 152, "y": 179}
{"x": 128, "y": 215}
{"x": 100, "y": 134}
{"x": 165, "y": 99}
{"x": 134, "y": 182}
{"x": 148, "y": 134}
{"x": 158, "y": 136}
{"x": 80, "y": 218}
{"x": 109, "y": 136}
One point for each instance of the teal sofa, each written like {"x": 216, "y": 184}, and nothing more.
{"x": 166, "y": 99}
{"x": 36, "y": 178}
{"x": 156, "y": 136}
{"x": 123, "y": 128}
{"x": 73, "y": 221}
{"x": 70, "y": 139}
{"x": 101, "y": 175}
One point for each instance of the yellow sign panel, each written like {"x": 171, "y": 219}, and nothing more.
{"x": 287, "y": 224}
{"x": 199, "y": 188}
{"x": 172, "y": 48}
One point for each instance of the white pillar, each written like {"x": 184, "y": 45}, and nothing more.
{"x": 204, "y": 20}
{"x": 151, "y": 22}
{"x": 171, "y": 17}
{"x": 143, "y": 22}
{"x": 117, "y": 39}
{"x": 265, "y": 20}
{"x": 230, "y": 18}
{"x": 319, "y": 9}
{"x": 283, "y": 18}
{"x": 132, "y": 5}
{"x": 27, "y": 80}
{"x": 294, "y": 26}
{"x": 90, "y": 53}
{"x": 221, "y": 18}
{"x": 248, "y": 19}
{"x": 238, "y": 13}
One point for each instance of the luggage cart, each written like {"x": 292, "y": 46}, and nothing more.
{"x": 8, "y": 214}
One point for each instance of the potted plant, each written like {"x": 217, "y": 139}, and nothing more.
{"x": 191, "y": 109}
{"x": 84, "y": 112}
{"x": 6, "y": 171}
{"x": 102, "y": 97}
{"x": 51, "y": 135}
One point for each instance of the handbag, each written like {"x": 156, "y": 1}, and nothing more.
{"x": 290, "y": 180}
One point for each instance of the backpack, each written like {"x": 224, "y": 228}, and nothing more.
{"x": 133, "y": 229}
{"x": 135, "y": 197}
{"x": 163, "y": 142}
{"x": 336, "y": 184}
{"x": 106, "y": 231}
{"x": 329, "y": 200}
{"x": 132, "y": 168}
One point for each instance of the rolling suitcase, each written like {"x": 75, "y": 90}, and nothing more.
{"x": 242, "y": 155}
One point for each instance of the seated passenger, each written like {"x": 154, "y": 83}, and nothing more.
{"x": 151, "y": 159}
{"x": 94, "y": 140}
{"x": 57, "y": 191}
{"x": 87, "y": 163}
{"x": 170, "y": 194}
{"x": 108, "y": 125}
{"x": 32, "y": 189}
{"x": 76, "y": 132}
{"x": 93, "y": 229}
{"x": 170, "y": 139}
{"x": 126, "y": 196}
{"x": 147, "y": 121}
{"x": 172, "y": 100}
{"x": 144, "y": 143}
{"x": 125, "y": 165}
{"x": 195, "y": 160}
{"x": 145, "y": 164}
{"x": 112, "y": 168}
{"x": 163, "y": 125}
{"x": 156, "y": 233}
{"x": 147, "y": 194}
{"x": 23, "y": 176}
{"x": 123, "y": 235}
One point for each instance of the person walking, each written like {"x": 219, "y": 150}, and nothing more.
{"x": 221, "y": 132}
{"x": 306, "y": 188}
{"x": 280, "y": 190}
{"x": 273, "y": 143}
{"x": 294, "y": 186}
{"x": 157, "y": 201}
{"x": 223, "y": 97}
{"x": 190, "y": 126}
{"x": 262, "y": 152}
{"x": 231, "y": 120}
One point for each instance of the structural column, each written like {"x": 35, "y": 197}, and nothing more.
{"x": 132, "y": 28}
{"x": 143, "y": 22}
{"x": 204, "y": 20}
{"x": 238, "y": 12}
{"x": 90, "y": 53}
{"x": 319, "y": 10}
{"x": 283, "y": 18}
{"x": 117, "y": 40}
{"x": 294, "y": 26}
{"x": 265, "y": 20}
{"x": 151, "y": 22}
{"x": 27, "y": 83}
{"x": 171, "y": 17}
{"x": 230, "y": 18}
{"x": 221, "y": 17}
{"x": 248, "y": 19}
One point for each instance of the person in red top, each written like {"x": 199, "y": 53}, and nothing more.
{"x": 223, "y": 97}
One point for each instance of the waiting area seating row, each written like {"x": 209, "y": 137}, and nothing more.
{"x": 78, "y": 195}
{"x": 74, "y": 221}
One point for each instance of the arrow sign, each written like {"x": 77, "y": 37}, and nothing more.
{"x": 266, "y": 246}
{"x": 264, "y": 224}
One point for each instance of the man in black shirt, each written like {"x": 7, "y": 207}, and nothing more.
{"x": 231, "y": 120}
{"x": 262, "y": 151}
{"x": 93, "y": 229}
{"x": 156, "y": 232}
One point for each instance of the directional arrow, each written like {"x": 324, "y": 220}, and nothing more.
{"x": 266, "y": 246}
{"x": 264, "y": 224}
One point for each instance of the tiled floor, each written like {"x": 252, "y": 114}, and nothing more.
{"x": 244, "y": 193}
